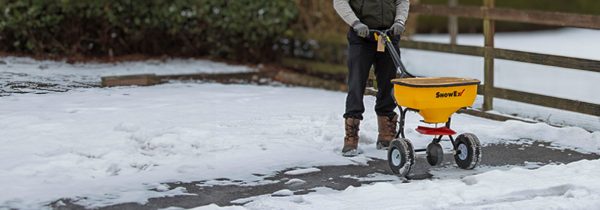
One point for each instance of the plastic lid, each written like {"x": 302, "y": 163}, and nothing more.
{"x": 435, "y": 81}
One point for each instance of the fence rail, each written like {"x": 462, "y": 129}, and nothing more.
{"x": 548, "y": 101}
{"x": 505, "y": 54}
{"x": 512, "y": 15}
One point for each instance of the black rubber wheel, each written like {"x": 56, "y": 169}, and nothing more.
{"x": 435, "y": 154}
{"x": 401, "y": 156}
{"x": 467, "y": 151}
{"x": 412, "y": 149}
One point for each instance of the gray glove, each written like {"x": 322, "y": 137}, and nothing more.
{"x": 361, "y": 29}
{"x": 397, "y": 29}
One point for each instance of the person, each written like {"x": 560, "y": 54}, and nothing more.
{"x": 361, "y": 16}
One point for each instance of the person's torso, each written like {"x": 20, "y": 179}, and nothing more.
{"x": 375, "y": 13}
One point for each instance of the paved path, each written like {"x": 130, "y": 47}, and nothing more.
{"x": 340, "y": 177}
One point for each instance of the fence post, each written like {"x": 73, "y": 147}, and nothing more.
{"x": 453, "y": 23}
{"x": 489, "y": 29}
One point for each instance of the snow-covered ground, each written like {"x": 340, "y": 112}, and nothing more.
{"x": 19, "y": 74}
{"x": 101, "y": 146}
{"x": 112, "y": 145}
{"x": 544, "y": 80}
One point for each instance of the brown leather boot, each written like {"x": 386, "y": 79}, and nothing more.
{"x": 387, "y": 130}
{"x": 351, "y": 139}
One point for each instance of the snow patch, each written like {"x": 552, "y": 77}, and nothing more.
{"x": 282, "y": 193}
{"x": 375, "y": 177}
{"x": 295, "y": 182}
{"x": 212, "y": 207}
{"x": 302, "y": 171}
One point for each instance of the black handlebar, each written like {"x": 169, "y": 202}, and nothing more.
{"x": 386, "y": 32}
{"x": 394, "y": 53}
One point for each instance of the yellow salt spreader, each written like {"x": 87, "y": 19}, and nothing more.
{"x": 435, "y": 99}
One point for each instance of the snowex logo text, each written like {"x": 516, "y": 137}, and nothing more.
{"x": 449, "y": 94}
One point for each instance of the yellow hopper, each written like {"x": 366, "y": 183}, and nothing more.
{"x": 435, "y": 98}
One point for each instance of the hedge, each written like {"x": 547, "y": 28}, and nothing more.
{"x": 233, "y": 29}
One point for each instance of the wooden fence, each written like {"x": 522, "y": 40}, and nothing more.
{"x": 489, "y": 14}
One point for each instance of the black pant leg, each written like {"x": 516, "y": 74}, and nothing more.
{"x": 385, "y": 71}
{"x": 361, "y": 55}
